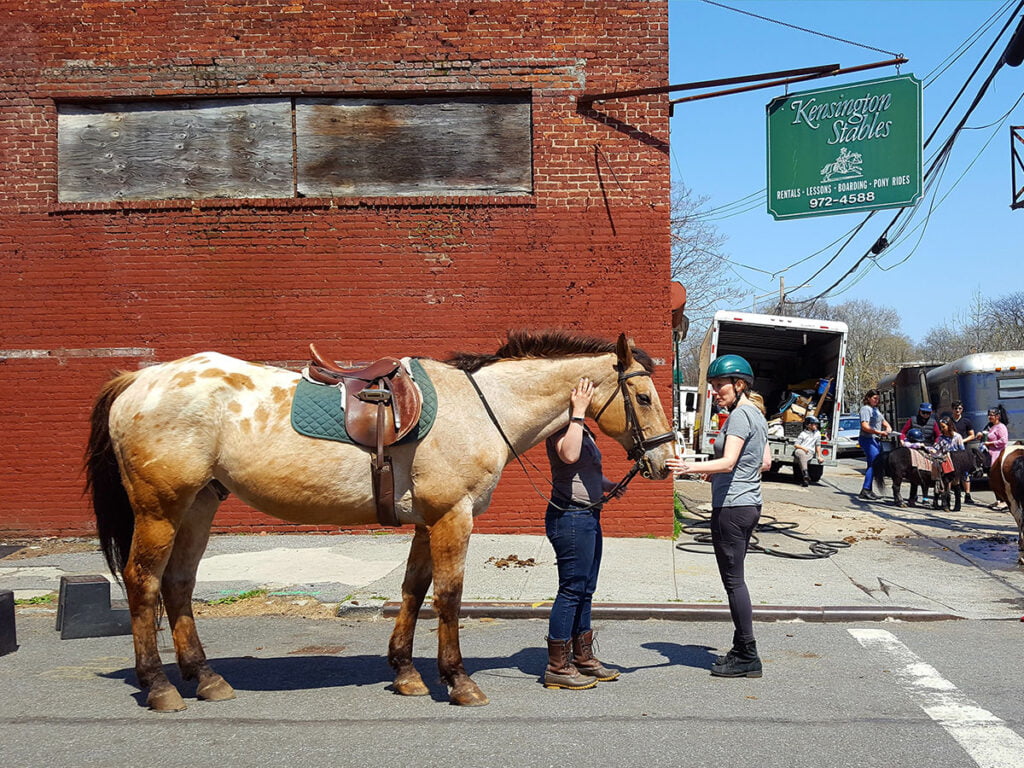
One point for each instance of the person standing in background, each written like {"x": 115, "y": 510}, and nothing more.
{"x": 963, "y": 427}
{"x": 994, "y": 438}
{"x": 872, "y": 426}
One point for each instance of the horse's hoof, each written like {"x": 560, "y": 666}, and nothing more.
{"x": 469, "y": 698}
{"x": 411, "y": 687}
{"x": 165, "y": 699}
{"x": 215, "y": 689}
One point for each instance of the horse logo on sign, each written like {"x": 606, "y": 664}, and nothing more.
{"x": 846, "y": 166}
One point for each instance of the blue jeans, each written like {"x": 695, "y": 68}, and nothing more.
{"x": 871, "y": 450}
{"x": 575, "y": 535}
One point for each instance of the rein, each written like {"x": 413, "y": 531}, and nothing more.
{"x": 636, "y": 453}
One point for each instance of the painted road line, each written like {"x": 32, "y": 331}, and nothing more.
{"x": 986, "y": 738}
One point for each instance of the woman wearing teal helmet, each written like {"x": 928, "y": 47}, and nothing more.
{"x": 741, "y": 455}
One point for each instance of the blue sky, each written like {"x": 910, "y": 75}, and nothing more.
{"x": 971, "y": 242}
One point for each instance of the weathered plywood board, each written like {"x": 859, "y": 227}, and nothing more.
{"x": 455, "y": 145}
{"x": 175, "y": 149}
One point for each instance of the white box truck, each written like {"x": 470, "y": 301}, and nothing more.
{"x": 798, "y": 369}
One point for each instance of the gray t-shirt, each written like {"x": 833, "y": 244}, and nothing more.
{"x": 581, "y": 482}
{"x": 742, "y": 486}
{"x": 873, "y": 417}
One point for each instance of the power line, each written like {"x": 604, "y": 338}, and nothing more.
{"x": 942, "y": 155}
{"x": 942, "y": 67}
{"x": 801, "y": 29}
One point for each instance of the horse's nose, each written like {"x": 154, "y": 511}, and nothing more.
{"x": 654, "y": 466}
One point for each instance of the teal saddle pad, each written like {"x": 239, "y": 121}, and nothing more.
{"x": 317, "y": 409}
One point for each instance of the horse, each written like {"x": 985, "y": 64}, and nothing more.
{"x": 897, "y": 464}
{"x": 965, "y": 462}
{"x": 1006, "y": 480}
{"x": 169, "y": 442}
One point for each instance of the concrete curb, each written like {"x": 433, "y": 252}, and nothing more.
{"x": 687, "y": 612}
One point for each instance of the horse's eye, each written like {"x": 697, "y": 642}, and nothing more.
{"x": 643, "y": 399}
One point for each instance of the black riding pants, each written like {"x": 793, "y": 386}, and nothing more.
{"x": 731, "y": 529}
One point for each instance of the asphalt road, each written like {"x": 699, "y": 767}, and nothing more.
{"x": 311, "y": 693}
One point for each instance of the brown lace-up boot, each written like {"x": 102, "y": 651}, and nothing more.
{"x": 586, "y": 663}
{"x": 560, "y": 672}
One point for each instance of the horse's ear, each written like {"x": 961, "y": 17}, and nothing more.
{"x": 624, "y": 350}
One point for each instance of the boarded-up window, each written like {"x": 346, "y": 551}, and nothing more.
{"x": 418, "y": 146}
{"x": 247, "y": 148}
{"x": 179, "y": 149}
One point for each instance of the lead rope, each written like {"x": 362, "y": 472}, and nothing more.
{"x": 619, "y": 487}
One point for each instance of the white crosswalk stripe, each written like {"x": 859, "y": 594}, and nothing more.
{"x": 986, "y": 738}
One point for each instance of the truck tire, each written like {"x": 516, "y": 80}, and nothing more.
{"x": 814, "y": 472}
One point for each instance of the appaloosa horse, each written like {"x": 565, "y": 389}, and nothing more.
{"x": 1006, "y": 480}
{"x": 167, "y": 440}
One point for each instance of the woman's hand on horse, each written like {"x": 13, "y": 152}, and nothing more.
{"x": 581, "y": 396}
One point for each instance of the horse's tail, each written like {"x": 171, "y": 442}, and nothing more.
{"x": 115, "y": 519}
{"x": 879, "y": 469}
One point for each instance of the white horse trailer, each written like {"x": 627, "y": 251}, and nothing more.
{"x": 982, "y": 381}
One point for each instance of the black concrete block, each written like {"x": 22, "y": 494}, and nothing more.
{"x": 8, "y": 637}
{"x": 84, "y": 609}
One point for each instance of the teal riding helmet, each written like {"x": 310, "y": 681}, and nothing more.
{"x": 731, "y": 367}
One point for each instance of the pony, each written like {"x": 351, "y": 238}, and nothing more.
{"x": 169, "y": 442}
{"x": 897, "y": 464}
{"x": 966, "y": 462}
{"x": 1006, "y": 480}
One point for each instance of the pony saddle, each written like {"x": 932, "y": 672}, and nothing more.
{"x": 382, "y": 401}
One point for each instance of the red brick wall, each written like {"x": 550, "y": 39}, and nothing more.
{"x": 89, "y": 288}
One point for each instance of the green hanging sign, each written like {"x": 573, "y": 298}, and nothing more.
{"x": 854, "y": 147}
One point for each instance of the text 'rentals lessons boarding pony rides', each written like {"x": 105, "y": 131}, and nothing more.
{"x": 166, "y": 440}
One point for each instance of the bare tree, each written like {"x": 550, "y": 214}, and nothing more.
{"x": 988, "y": 325}
{"x": 875, "y": 346}
{"x": 696, "y": 259}
{"x": 1006, "y": 322}
{"x": 697, "y": 263}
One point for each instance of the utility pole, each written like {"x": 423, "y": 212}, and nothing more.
{"x": 782, "y": 293}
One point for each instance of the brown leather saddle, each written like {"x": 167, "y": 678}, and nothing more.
{"x": 382, "y": 405}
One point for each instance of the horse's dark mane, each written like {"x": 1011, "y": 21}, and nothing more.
{"x": 526, "y": 344}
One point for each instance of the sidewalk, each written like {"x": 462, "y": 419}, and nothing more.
{"x": 901, "y": 564}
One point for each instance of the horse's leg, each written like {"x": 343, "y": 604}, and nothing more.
{"x": 913, "y": 488}
{"x": 449, "y": 540}
{"x": 897, "y": 485}
{"x": 418, "y": 573}
{"x": 179, "y": 582}
{"x": 153, "y": 538}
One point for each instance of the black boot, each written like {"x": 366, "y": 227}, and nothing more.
{"x": 745, "y": 664}
{"x": 733, "y": 652}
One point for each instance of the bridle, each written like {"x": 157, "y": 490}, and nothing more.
{"x": 641, "y": 444}
{"x": 637, "y": 453}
